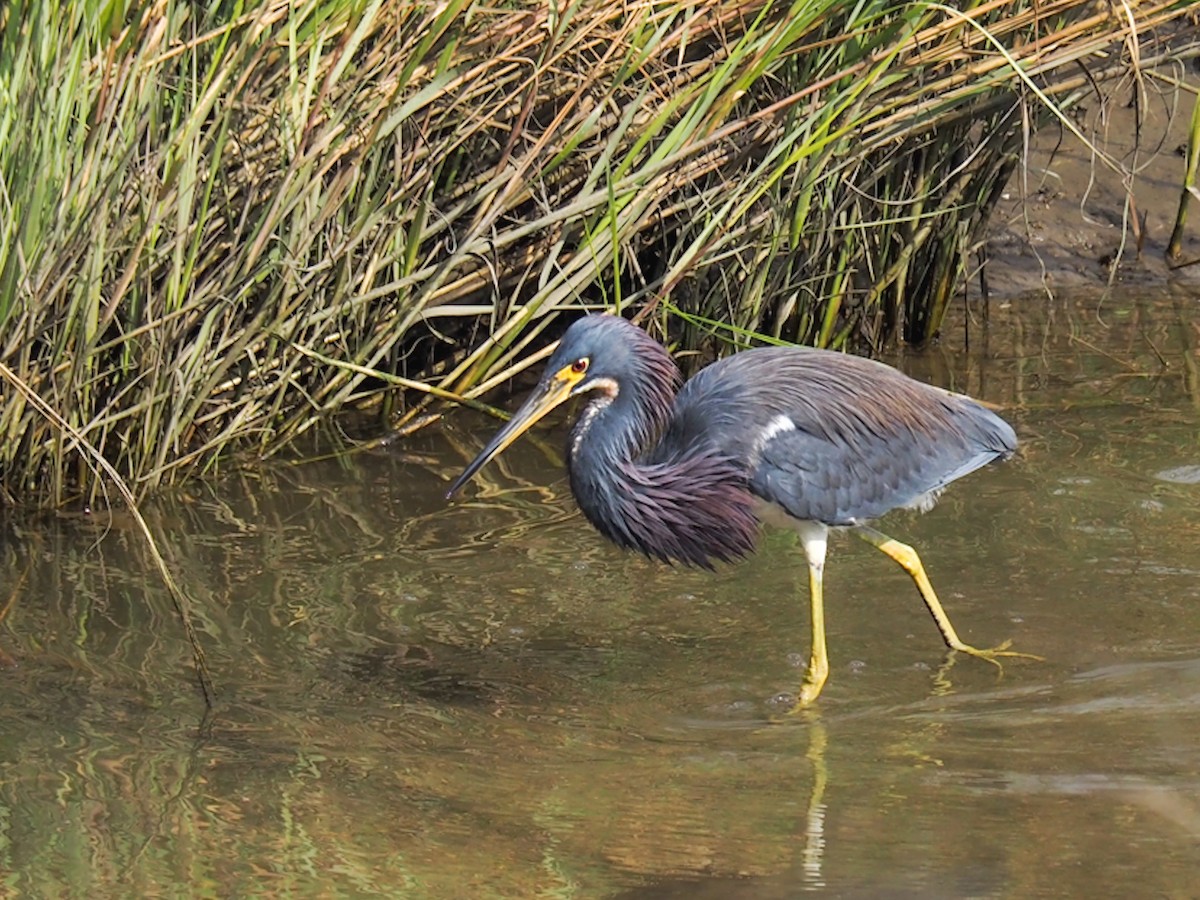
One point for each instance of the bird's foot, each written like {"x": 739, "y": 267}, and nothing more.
{"x": 810, "y": 689}
{"x": 994, "y": 654}
{"x": 806, "y": 696}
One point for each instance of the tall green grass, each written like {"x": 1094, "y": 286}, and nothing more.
{"x": 220, "y": 220}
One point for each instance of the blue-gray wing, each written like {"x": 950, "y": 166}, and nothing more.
{"x": 853, "y": 475}
{"x": 831, "y": 437}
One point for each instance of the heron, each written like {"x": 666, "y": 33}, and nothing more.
{"x": 796, "y": 437}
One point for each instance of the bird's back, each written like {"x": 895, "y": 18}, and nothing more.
{"x": 831, "y": 437}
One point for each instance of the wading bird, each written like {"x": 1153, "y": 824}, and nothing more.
{"x": 792, "y": 436}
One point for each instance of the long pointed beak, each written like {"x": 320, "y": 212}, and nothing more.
{"x": 545, "y": 397}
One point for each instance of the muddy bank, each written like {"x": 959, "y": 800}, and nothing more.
{"x": 1066, "y": 216}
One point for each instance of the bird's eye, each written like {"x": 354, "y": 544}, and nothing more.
{"x": 579, "y": 366}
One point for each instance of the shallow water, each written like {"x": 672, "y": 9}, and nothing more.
{"x": 484, "y": 699}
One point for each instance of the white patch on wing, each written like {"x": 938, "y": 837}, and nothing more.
{"x": 774, "y": 428}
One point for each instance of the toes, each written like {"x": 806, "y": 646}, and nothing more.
{"x": 993, "y": 654}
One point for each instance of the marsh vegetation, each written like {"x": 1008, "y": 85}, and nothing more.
{"x": 224, "y": 224}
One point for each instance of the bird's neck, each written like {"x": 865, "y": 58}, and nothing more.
{"x": 684, "y": 504}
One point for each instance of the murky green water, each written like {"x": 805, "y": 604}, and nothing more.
{"x": 485, "y": 700}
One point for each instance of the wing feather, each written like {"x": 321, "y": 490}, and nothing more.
{"x": 863, "y": 438}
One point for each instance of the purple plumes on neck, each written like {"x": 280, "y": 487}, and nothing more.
{"x": 689, "y": 505}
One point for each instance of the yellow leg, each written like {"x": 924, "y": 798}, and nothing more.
{"x": 814, "y": 537}
{"x": 907, "y": 557}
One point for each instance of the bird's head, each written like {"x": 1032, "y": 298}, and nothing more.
{"x": 595, "y": 354}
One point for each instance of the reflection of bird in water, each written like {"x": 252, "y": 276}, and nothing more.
{"x": 793, "y": 436}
